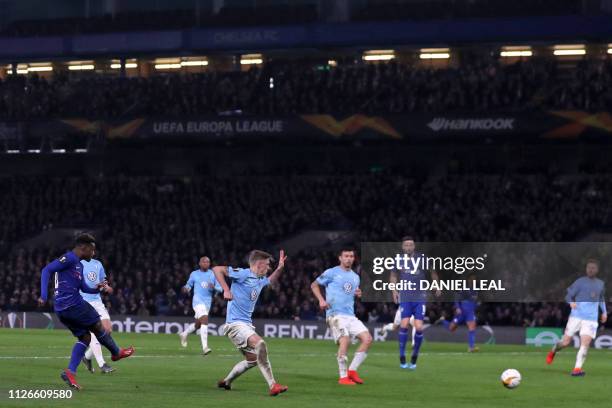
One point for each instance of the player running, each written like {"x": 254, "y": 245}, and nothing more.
{"x": 412, "y": 303}
{"x": 93, "y": 275}
{"x": 74, "y": 312}
{"x": 585, "y": 296}
{"x": 465, "y": 313}
{"x": 246, "y": 286}
{"x": 341, "y": 286}
{"x": 203, "y": 283}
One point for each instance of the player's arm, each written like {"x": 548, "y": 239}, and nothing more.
{"x": 602, "y": 306}
{"x": 220, "y": 273}
{"x": 100, "y": 287}
{"x": 395, "y": 293}
{"x": 315, "y": 286}
{"x": 106, "y": 286}
{"x": 570, "y": 297}
{"x": 436, "y": 278}
{"x": 274, "y": 276}
{"x": 189, "y": 285}
{"x": 53, "y": 267}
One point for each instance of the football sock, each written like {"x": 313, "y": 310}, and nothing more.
{"x": 342, "y": 360}
{"x": 204, "y": 336}
{"x": 581, "y": 356}
{"x": 264, "y": 363}
{"x": 78, "y": 351}
{"x": 403, "y": 339}
{"x": 107, "y": 341}
{"x": 358, "y": 358}
{"x": 558, "y": 347}
{"x": 190, "y": 329}
{"x": 239, "y": 369}
{"x": 418, "y": 340}
{"x": 471, "y": 338}
{"x": 446, "y": 323}
{"x": 388, "y": 327}
{"x": 95, "y": 350}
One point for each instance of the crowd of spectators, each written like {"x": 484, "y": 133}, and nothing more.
{"x": 152, "y": 231}
{"x": 282, "y": 89}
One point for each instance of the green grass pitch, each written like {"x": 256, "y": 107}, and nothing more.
{"x": 161, "y": 373}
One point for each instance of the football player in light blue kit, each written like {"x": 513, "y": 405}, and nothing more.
{"x": 93, "y": 275}
{"x": 203, "y": 283}
{"x": 247, "y": 284}
{"x": 341, "y": 287}
{"x": 586, "y": 297}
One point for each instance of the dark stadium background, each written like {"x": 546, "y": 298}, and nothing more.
{"x": 168, "y": 145}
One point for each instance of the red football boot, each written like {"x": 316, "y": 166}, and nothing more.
{"x": 352, "y": 374}
{"x": 577, "y": 372}
{"x": 70, "y": 379}
{"x": 550, "y": 357}
{"x": 346, "y": 381}
{"x": 278, "y": 389}
{"x": 123, "y": 353}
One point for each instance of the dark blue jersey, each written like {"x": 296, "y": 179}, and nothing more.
{"x": 68, "y": 280}
{"x": 466, "y": 300}
{"x": 415, "y": 272}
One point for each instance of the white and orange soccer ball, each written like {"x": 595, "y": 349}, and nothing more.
{"x": 511, "y": 378}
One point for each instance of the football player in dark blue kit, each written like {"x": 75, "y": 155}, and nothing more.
{"x": 412, "y": 303}
{"x": 74, "y": 312}
{"x": 465, "y": 313}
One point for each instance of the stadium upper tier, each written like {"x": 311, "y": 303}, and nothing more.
{"x": 24, "y": 18}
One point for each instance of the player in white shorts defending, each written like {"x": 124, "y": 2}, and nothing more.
{"x": 203, "y": 283}
{"x": 94, "y": 274}
{"x": 397, "y": 321}
{"x": 585, "y": 296}
{"x": 341, "y": 286}
{"x": 243, "y": 294}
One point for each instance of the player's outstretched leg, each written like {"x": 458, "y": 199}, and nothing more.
{"x": 564, "y": 342}
{"x": 239, "y": 369}
{"x": 183, "y": 335}
{"x": 360, "y": 355}
{"x": 107, "y": 341}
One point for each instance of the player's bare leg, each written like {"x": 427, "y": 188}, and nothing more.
{"x": 360, "y": 355}
{"x": 343, "y": 345}
{"x": 585, "y": 343}
{"x": 471, "y": 325}
{"x": 565, "y": 341}
{"x": 190, "y": 329}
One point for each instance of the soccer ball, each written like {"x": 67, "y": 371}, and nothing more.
{"x": 511, "y": 378}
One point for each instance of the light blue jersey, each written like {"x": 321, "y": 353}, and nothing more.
{"x": 340, "y": 286}
{"x": 93, "y": 273}
{"x": 246, "y": 287}
{"x": 588, "y": 294}
{"x": 203, "y": 284}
